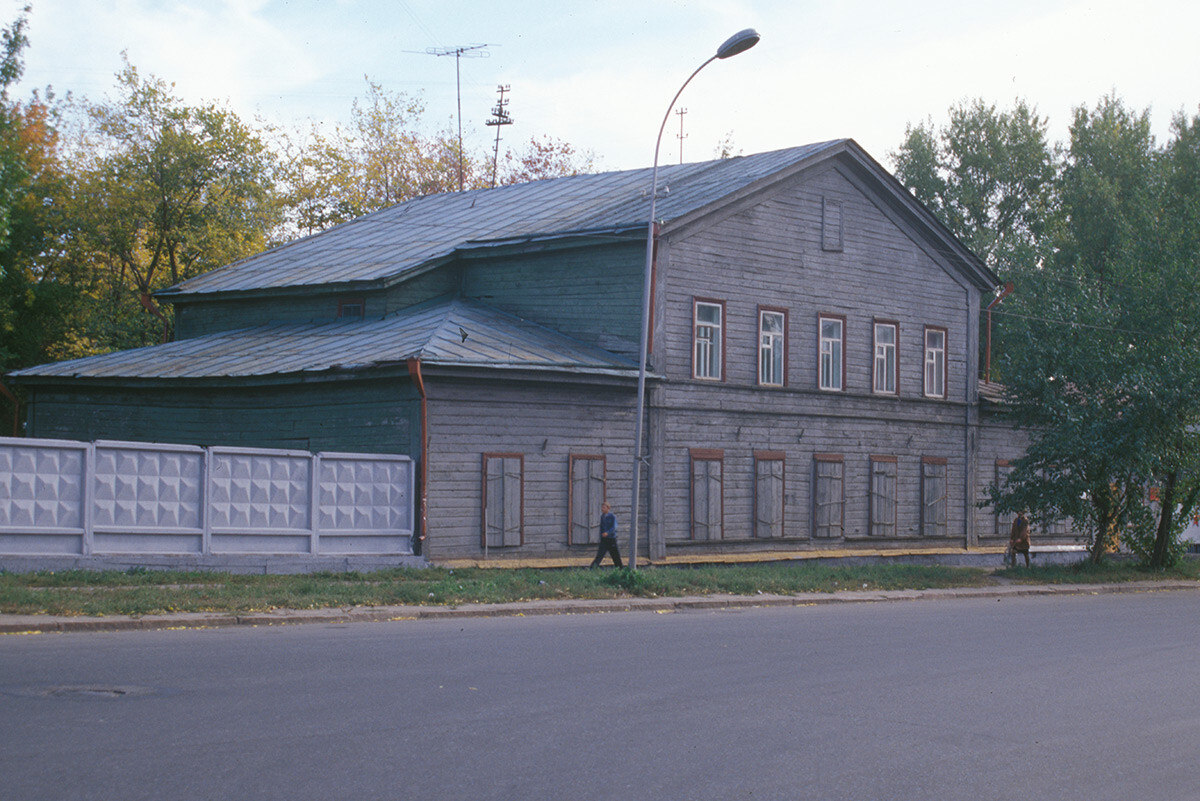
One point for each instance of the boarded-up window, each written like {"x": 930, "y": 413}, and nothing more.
{"x": 829, "y": 499}
{"x": 503, "y": 499}
{"x": 883, "y": 496}
{"x": 586, "y": 494}
{"x": 933, "y": 497}
{"x": 768, "y": 493}
{"x": 831, "y": 224}
{"x": 1004, "y": 520}
{"x": 708, "y": 494}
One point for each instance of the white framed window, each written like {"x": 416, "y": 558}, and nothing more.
{"x": 886, "y": 372}
{"x": 829, "y": 495}
{"x": 768, "y": 493}
{"x": 935, "y": 362}
{"x": 883, "y": 496}
{"x": 772, "y": 347}
{"x": 831, "y": 356}
{"x": 933, "y": 497}
{"x": 708, "y": 318}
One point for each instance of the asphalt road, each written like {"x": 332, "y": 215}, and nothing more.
{"x": 1092, "y": 697}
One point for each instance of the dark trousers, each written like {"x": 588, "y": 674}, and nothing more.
{"x": 608, "y": 545}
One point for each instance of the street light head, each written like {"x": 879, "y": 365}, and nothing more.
{"x": 740, "y": 42}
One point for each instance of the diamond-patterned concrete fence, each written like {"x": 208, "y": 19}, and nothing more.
{"x": 60, "y": 497}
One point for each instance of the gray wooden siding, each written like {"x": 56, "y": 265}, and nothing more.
{"x": 742, "y": 433}
{"x": 357, "y": 416}
{"x": 592, "y": 294}
{"x": 770, "y": 253}
{"x": 546, "y": 423}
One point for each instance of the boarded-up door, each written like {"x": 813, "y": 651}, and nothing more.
{"x": 502, "y": 500}
{"x": 768, "y": 496}
{"x": 587, "y": 493}
{"x": 707, "y": 498}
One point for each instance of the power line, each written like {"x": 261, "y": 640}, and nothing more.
{"x": 500, "y": 117}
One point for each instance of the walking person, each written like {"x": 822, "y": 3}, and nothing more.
{"x": 608, "y": 537}
{"x": 1018, "y": 541}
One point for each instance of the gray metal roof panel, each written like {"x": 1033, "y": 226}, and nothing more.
{"x": 432, "y": 333}
{"x": 390, "y": 241}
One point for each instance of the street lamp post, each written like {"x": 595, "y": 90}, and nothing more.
{"x": 738, "y": 43}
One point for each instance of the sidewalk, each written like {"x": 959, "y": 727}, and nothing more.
{"x": 39, "y": 624}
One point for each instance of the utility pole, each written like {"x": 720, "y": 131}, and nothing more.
{"x": 681, "y": 135}
{"x": 500, "y": 117}
{"x": 470, "y": 51}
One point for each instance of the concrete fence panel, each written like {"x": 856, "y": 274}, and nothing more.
{"x": 60, "y": 497}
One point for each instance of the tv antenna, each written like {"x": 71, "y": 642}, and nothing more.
{"x": 469, "y": 51}
{"x": 500, "y": 116}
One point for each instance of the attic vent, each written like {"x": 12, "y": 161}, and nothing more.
{"x": 831, "y": 224}
{"x": 351, "y": 309}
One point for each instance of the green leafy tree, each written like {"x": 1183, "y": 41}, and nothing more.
{"x": 164, "y": 191}
{"x": 385, "y": 156}
{"x": 989, "y": 176}
{"x": 1105, "y": 370}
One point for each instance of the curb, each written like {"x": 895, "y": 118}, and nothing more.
{"x": 42, "y": 624}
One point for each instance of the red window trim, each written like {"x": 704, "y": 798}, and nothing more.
{"x": 704, "y": 455}
{"x": 945, "y": 360}
{"x": 758, "y": 344}
{"x": 842, "y": 319}
{"x": 724, "y": 337}
{"x": 896, "y": 325}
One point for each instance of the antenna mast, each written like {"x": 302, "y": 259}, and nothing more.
{"x": 500, "y": 117}
{"x": 470, "y": 51}
{"x": 681, "y": 135}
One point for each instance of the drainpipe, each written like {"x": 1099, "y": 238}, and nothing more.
{"x": 414, "y": 372}
{"x": 1004, "y": 293}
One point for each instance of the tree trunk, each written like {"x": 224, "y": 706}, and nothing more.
{"x": 1166, "y": 521}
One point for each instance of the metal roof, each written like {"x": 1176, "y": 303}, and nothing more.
{"x": 392, "y": 241}
{"x": 454, "y": 332}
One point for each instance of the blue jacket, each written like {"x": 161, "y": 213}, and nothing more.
{"x": 608, "y": 525}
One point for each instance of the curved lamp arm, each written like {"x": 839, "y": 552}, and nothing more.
{"x": 738, "y": 43}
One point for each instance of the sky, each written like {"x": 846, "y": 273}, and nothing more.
{"x": 600, "y": 75}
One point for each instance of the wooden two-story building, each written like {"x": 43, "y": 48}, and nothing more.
{"x": 813, "y": 361}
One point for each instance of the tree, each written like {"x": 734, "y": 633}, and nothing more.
{"x": 544, "y": 157}
{"x": 163, "y": 192}
{"x": 988, "y": 175}
{"x": 36, "y": 300}
{"x": 1105, "y": 371}
{"x": 386, "y": 157}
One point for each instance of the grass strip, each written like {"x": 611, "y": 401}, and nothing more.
{"x": 146, "y": 592}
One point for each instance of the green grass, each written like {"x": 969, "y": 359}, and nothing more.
{"x": 145, "y": 592}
